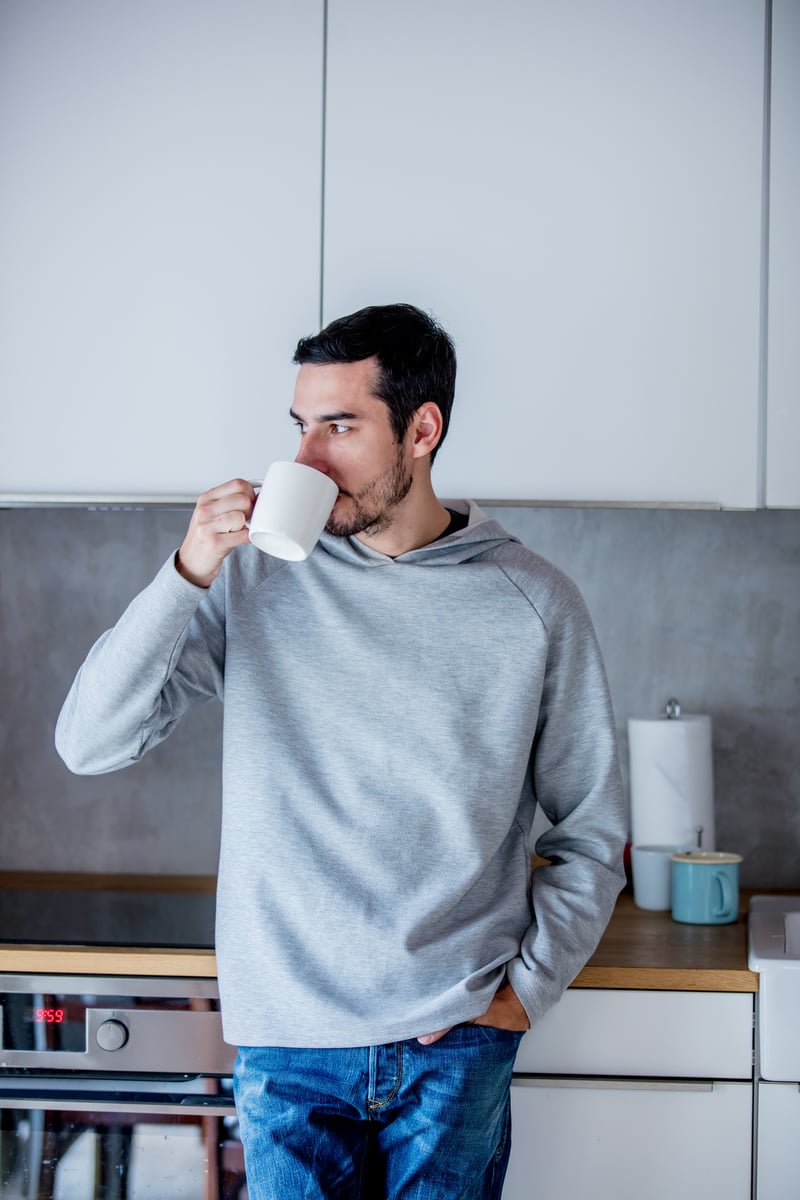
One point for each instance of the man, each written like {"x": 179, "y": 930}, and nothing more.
{"x": 395, "y": 708}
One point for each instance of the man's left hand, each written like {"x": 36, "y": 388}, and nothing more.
{"x": 505, "y": 1012}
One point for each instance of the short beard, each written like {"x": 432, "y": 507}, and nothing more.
{"x": 375, "y": 506}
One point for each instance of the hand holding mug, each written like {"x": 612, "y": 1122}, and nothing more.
{"x": 218, "y": 526}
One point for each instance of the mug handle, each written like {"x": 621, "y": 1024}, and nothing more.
{"x": 725, "y": 908}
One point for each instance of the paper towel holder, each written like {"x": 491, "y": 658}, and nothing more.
{"x": 673, "y": 709}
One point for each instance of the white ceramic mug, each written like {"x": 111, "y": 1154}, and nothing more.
{"x": 292, "y": 509}
{"x": 652, "y": 876}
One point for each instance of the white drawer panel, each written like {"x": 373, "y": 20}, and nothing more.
{"x": 606, "y": 1032}
{"x": 638, "y": 1141}
{"x": 778, "y": 1141}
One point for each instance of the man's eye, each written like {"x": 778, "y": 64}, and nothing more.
{"x": 299, "y": 426}
{"x": 340, "y": 428}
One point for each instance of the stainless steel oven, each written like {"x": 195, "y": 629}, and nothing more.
{"x": 115, "y": 1088}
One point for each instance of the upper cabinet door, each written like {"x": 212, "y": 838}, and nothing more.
{"x": 575, "y": 190}
{"x": 159, "y": 238}
{"x": 783, "y": 371}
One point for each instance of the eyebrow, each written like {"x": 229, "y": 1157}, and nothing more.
{"x": 326, "y": 417}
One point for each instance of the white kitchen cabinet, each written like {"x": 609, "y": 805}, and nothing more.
{"x": 575, "y": 190}
{"x": 159, "y": 239}
{"x": 625, "y": 1140}
{"x": 621, "y": 1094}
{"x": 778, "y": 1145}
{"x": 783, "y": 372}
{"x": 605, "y": 1031}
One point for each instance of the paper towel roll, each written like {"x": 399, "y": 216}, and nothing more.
{"x": 671, "y": 780}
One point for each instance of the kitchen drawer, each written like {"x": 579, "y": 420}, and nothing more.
{"x": 629, "y": 1139}
{"x": 706, "y": 1035}
{"x": 778, "y": 1157}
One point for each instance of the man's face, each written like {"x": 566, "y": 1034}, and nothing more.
{"x": 345, "y": 433}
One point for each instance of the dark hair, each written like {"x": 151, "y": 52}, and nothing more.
{"x": 416, "y": 358}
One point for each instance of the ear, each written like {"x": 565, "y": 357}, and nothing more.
{"x": 426, "y": 429}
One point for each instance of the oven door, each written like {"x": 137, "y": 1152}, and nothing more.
{"x": 77, "y": 1137}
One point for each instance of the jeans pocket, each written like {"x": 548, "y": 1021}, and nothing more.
{"x": 495, "y": 1033}
{"x": 470, "y": 1034}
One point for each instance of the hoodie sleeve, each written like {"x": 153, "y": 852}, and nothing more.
{"x": 576, "y": 781}
{"x": 165, "y": 654}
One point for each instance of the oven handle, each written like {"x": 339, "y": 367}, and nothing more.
{"x": 193, "y": 1106}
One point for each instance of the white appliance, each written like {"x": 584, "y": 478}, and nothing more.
{"x": 774, "y": 951}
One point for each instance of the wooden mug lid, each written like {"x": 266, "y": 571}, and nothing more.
{"x": 706, "y": 857}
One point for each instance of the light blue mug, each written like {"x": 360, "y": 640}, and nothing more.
{"x": 705, "y": 887}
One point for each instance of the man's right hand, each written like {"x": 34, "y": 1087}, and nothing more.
{"x": 217, "y": 527}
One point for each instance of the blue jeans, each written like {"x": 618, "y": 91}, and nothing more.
{"x": 401, "y": 1121}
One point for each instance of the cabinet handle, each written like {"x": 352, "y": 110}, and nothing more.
{"x": 621, "y": 1085}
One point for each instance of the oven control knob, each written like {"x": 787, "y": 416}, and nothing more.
{"x": 112, "y": 1035}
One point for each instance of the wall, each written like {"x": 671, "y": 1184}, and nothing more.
{"x": 701, "y": 605}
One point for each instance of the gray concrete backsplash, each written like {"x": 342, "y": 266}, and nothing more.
{"x": 700, "y": 605}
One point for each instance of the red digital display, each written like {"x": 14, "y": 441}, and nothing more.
{"x": 42, "y": 1023}
{"x": 49, "y": 1016}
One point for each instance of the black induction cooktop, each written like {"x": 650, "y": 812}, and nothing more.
{"x": 74, "y": 917}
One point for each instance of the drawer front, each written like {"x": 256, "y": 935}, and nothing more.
{"x": 658, "y": 1141}
{"x": 706, "y": 1035}
{"x": 778, "y": 1160}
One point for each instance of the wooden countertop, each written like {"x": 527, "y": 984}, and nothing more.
{"x": 639, "y": 950}
{"x": 107, "y": 960}
{"x": 650, "y": 951}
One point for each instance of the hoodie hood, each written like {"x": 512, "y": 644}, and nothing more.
{"x": 480, "y": 536}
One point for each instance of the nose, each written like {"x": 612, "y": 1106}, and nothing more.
{"x": 311, "y": 453}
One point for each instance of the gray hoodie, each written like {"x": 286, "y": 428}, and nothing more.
{"x": 389, "y": 727}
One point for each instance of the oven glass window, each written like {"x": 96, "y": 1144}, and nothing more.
{"x": 134, "y": 1155}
